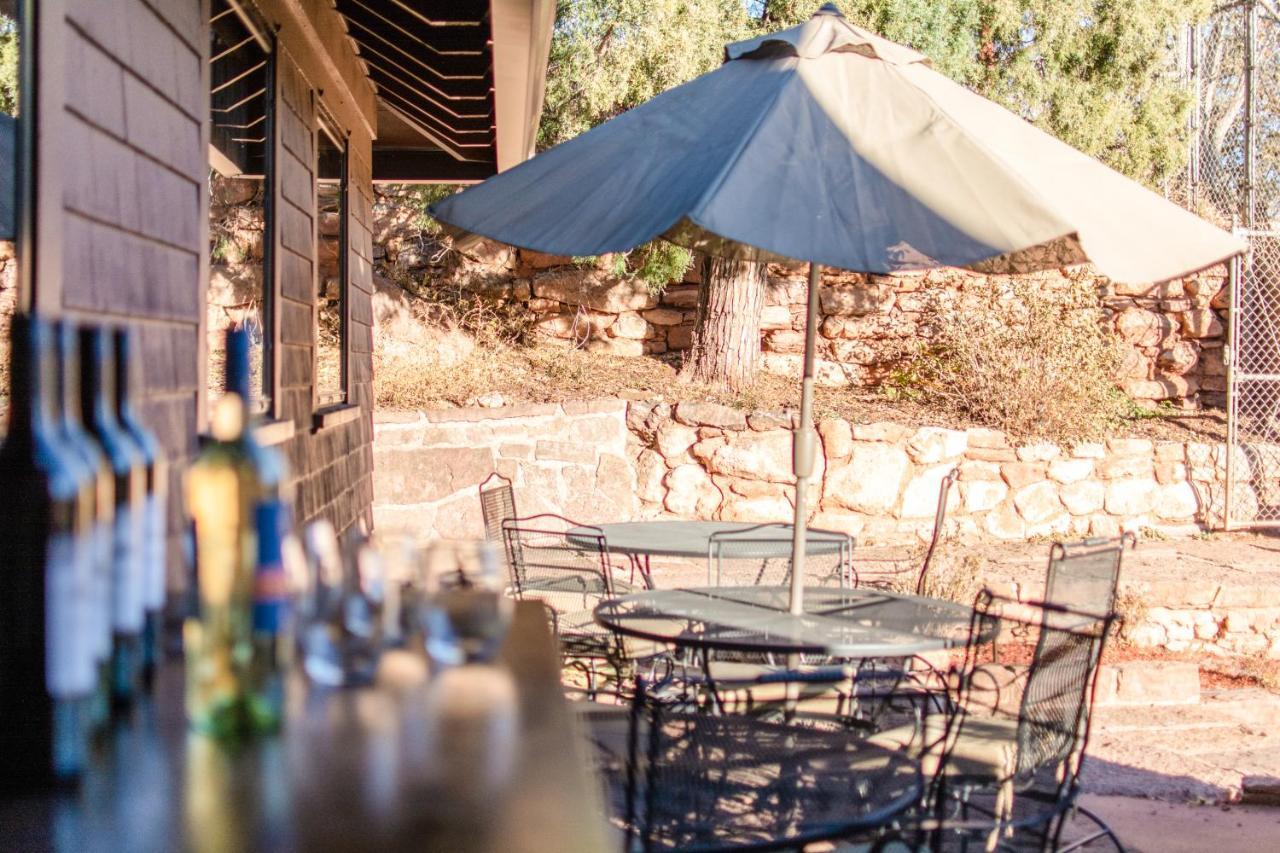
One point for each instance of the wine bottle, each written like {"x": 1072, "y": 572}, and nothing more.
{"x": 155, "y": 502}
{"x": 97, "y": 393}
{"x": 97, "y": 618}
{"x": 46, "y": 656}
{"x": 230, "y": 476}
{"x": 270, "y": 620}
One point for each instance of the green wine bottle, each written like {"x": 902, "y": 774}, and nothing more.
{"x": 230, "y": 476}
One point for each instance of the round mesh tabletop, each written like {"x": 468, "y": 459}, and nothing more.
{"x": 692, "y": 538}
{"x": 852, "y": 623}
{"x": 734, "y": 782}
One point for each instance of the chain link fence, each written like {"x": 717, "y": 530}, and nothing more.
{"x": 1232, "y": 65}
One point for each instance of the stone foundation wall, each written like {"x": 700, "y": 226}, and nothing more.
{"x": 880, "y": 481}
{"x": 612, "y": 460}
{"x": 572, "y": 459}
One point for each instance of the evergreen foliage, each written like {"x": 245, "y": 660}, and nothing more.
{"x": 8, "y": 66}
{"x": 1098, "y": 74}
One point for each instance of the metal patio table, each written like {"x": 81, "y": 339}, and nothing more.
{"x": 843, "y": 623}
{"x": 640, "y": 540}
{"x": 736, "y": 783}
{"x": 854, "y": 624}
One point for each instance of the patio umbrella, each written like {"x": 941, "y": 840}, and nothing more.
{"x": 828, "y": 144}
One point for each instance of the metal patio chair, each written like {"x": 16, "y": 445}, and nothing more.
{"x": 1008, "y": 771}
{"x": 761, "y": 556}
{"x": 897, "y": 579}
{"x": 1085, "y": 575}
{"x": 731, "y": 781}
{"x": 571, "y": 574}
{"x": 497, "y": 504}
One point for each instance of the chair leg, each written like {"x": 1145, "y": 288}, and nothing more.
{"x": 1102, "y": 831}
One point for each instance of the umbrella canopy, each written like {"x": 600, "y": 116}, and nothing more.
{"x": 828, "y": 144}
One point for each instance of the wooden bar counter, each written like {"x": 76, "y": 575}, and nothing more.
{"x": 476, "y": 759}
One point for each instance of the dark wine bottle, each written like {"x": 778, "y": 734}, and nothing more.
{"x": 46, "y": 656}
{"x": 97, "y": 619}
{"x": 154, "y": 529}
{"x": 97, "y": 392}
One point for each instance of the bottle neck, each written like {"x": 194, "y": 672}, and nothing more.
{"x": 33, "y": 378}
{"x": 97, "y": 380}
{"x": 68, "y": 375}
{"x": 123, "y": 341}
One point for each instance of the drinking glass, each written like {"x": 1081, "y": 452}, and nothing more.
{"x": 464, "y": 613}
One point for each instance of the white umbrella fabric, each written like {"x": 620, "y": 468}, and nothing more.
{"x": 828, "y": 144}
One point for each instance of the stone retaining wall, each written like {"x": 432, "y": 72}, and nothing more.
{"x": 1171, "y": 334}
{"x": 613, "y": 460}
{"x": 880, "y": 481}
{"x": 572, "y": 459}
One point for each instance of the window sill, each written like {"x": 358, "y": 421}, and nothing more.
{"x": 342, "y": 413}
{"x": 271, "y": 433}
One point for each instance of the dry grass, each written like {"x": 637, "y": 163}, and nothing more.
{"x": 1015, "y": 355}
{"x": 416, "y": 378}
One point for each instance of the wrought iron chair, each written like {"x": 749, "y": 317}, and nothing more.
{"x": 571, "y": 574}
{"x": 896, "y": 579}
{"x": 1085, "y": 575}
{"x": 729, "y": 781}
{"x": 1012, "y": 766}
{"x": 497, "y": 504}
{"x": 761, "y": 556}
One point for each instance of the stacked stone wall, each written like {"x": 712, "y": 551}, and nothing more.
{"x": 1171, "y": 334}
{"x": 571, "y": 459}
{"x": 611, "y": 460}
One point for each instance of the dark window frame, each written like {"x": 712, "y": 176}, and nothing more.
{"x": 267, "y": 403}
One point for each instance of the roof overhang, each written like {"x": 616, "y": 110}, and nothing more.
{"x": 459, "y": 83}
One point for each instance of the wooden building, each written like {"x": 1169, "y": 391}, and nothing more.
{"x": 139, "y": 104}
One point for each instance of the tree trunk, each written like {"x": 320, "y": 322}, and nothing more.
{"x": 726, "y": 339}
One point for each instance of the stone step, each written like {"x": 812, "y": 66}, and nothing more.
{"x": 1148, "y": 682}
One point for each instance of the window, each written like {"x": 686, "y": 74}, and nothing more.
{"x": 242, "y": 100}
{"x": 331, "y": 266}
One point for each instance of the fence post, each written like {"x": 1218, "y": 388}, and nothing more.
{"x": 1193, "y": 161}
{"x": 1228, "y": 355}
{"x": 1248, "y": 201}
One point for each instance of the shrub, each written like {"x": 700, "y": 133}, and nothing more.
{"x": 1018, "y": 355}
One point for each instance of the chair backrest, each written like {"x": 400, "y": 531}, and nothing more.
{"x": 497, "y": 504}
{"x": 701, "y": 781}
{"x": 939, "y": 526}
{"x": 1085, "y": 575}
{"x": 563, "y": 564}
{"x": 761, "y": 556}
{"x": 1054, "y": 709}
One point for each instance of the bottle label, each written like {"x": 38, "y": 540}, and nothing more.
{"x": 127, "y": 579}
{"x": 155, "y": 549}
{"x": 102, "y": 544}
{"x": 69, "y": 660}
{"x": 270, "y": 599}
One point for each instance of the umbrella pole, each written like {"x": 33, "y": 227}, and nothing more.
{"x": 804, "y": 443}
